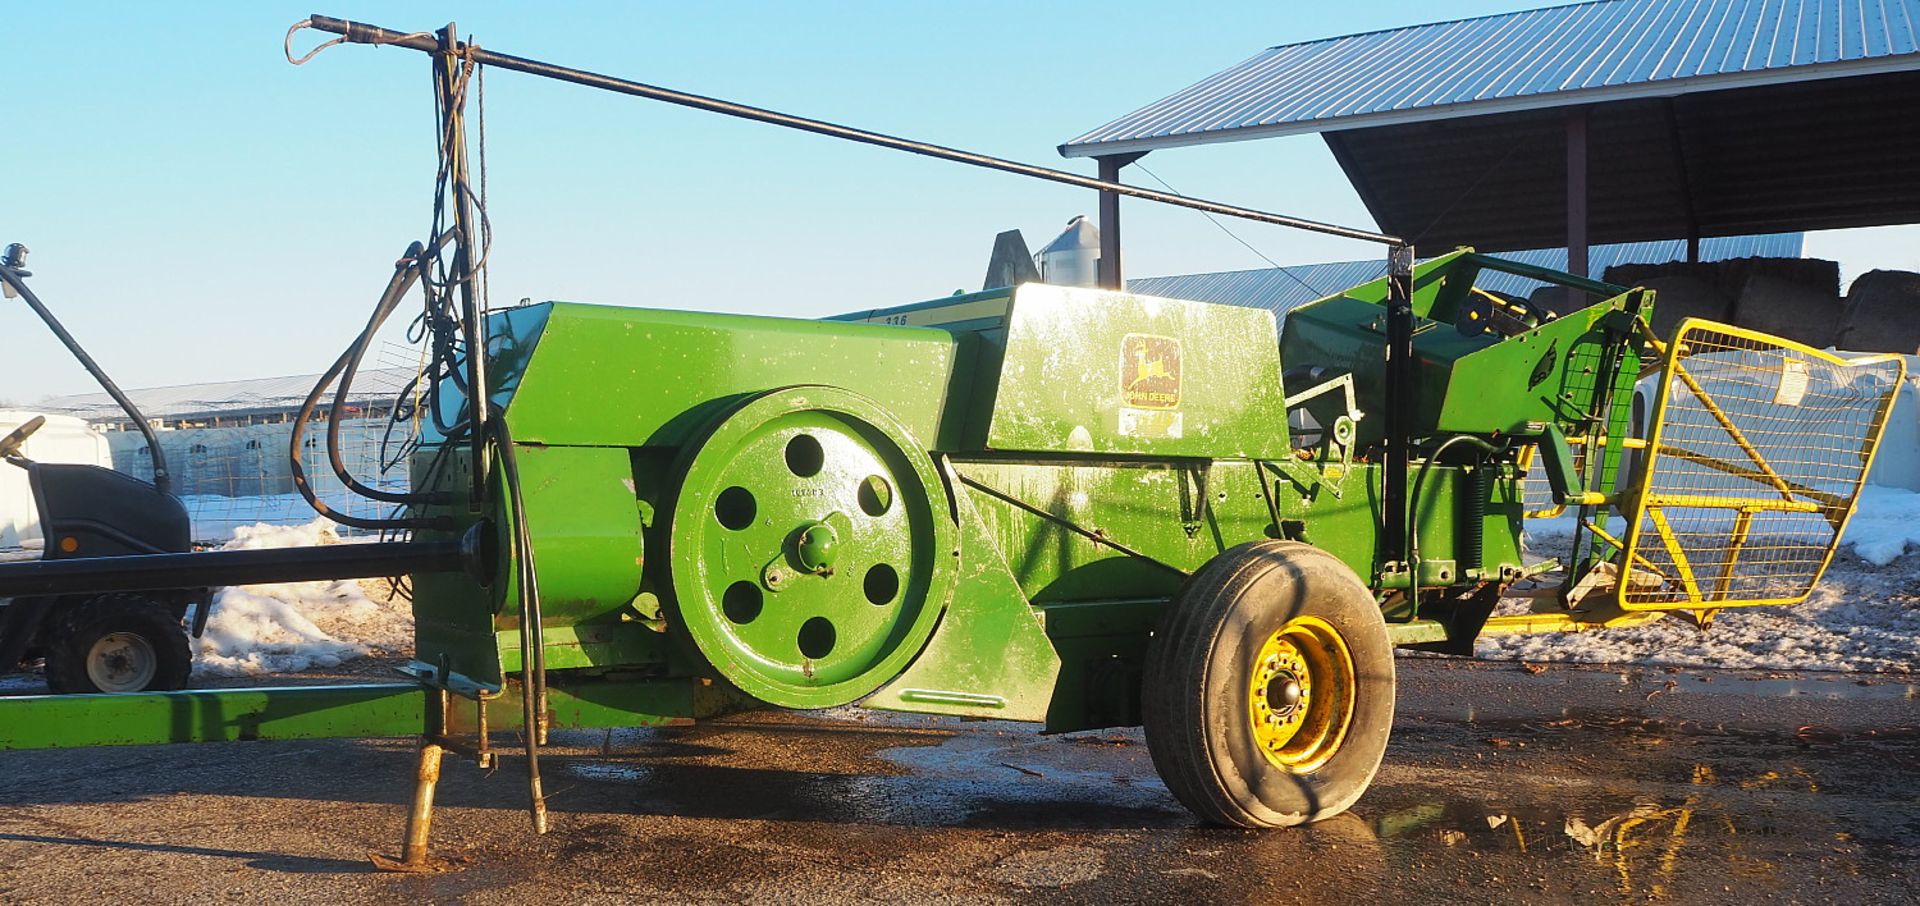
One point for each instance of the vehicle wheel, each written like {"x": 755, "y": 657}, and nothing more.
{"x": 1269, "y": 688}
{"x": 117, "y": 644}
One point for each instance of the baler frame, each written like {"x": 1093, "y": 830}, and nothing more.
{"x": 1080, "y": 650}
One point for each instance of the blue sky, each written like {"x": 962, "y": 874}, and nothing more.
{"x": 200, "y": 210}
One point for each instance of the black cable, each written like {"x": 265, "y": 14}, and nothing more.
{"x": 533, "y": 651}
{"x": 404, "y": 273}
{"x": 402, "y": 281}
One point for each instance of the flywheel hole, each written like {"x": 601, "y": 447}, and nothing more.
{"x": 876, "y": 496}
{"x": 804, "y": 456}
{"x": 882, "y": 584}
{"x": 816, "y": 638}
{"x": 741, "y": 602}
{"x": 735, "y": 508}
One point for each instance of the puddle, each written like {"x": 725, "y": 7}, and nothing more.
{"x": 610, "y": 772}
{"x": 1744, "y": 826}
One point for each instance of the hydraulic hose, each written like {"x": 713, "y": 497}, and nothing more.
{"x": 405, "y": 273}
{"x": 389, "y": 301}
{"x": 533, "y": 648}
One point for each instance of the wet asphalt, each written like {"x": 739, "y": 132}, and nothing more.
{"x": 1501, "y": 785}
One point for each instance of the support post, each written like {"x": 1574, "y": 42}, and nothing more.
{"x": 1110, "y": 274}
{"x": 448, "y": 64}
{"x": 420, "y": 815}
{"x": 1684, "y": 176}
{"x": 1577, "y": 191}
{"x": 1399, "y": 405}
{"x": 415, "y": 854}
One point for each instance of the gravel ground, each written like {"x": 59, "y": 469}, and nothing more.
{"x": 1565, "y": 785}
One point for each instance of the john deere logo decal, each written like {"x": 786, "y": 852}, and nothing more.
{"x": 1150, "y": 371}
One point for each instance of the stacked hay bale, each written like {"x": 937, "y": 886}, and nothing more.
{"x": 1882, "y": 313}
{"x": 1796, "y": 298}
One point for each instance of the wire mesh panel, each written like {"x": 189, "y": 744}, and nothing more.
{"x": 1760, "y": 447}
{"x": 229, "y": 457}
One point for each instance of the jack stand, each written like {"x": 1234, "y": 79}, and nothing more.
{"x": 414, "y": 856}
{"x": 434, "y": 743}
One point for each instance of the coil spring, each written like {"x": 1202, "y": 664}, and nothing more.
{"x": 1474, "y": 518}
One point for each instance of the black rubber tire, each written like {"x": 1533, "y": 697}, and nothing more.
{"x": 75, "y": 631}
{"x": 1199, "y": 664}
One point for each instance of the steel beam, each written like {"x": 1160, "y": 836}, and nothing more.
{"x": 148, "y": 572}
{"x": 371, "y": 710}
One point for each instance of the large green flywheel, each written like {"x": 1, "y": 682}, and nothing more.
{"x": 812, "y": 548}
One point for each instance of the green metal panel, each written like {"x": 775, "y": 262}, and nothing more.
{"x": 1545, "y": 375}
{"x": 211, "y": 715}
{"x": 991, "y": 657}
{"x": 1088, "y": 371}
{"x": 581, "y": 700}
{"x": 1103, "y": 647}
{"x": 1484, "y": 384}
{"x": 453, "y": 614}
{"x": 581, "y": 511}
{"x": 1177, "y": 513}
{"x": 590, "y": 375}
{"x": 585, "y": 521}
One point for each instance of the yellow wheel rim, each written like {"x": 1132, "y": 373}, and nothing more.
{"x": 1300, "y": 694}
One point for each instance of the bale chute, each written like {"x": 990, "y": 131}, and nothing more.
{"x": 1759, "y": 449}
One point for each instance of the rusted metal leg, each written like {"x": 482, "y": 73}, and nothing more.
{"x": 413, "y": 854}
{"x": 420, "y": 817}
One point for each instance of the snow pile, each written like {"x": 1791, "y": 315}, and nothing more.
{"x": 1887, "y": 521}
{"x": 1860, "y": 618}
{"x": 1863, "y": 616}
{"x": 295, "y": 626}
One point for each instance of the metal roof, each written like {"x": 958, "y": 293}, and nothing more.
{"x": 218, "y": 398}
{"x": 1585, "y": 53}
{"x": 1282, "y": 289}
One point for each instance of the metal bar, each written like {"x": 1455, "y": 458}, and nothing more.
{"x": 1399, "y": 404}
{"x": 420, "y": 815}
{"x": 1530, "y": 623}
{"x": 1701, "y": 459}
{"x": 162, "y": 478}
{"x": 1549, "y": 275}
{"x": 1602, "y": 534}
{"x": 145, "y": 572}
{"x": 322, "y": 712}
{"x": 361, "y": 33}
{"x": 1742, "y": 524}
{"x": 1674, "y": 551}
{"x": 1754, "y": 504}
{"x": 1095, "y": 536}
{"x": 450, "y": 92}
